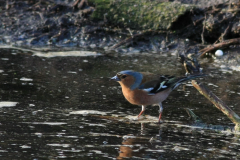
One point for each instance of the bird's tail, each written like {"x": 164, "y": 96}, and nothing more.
{"x": 186, "y": 78}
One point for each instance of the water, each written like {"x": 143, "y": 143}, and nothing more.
{"x": 66, "y": 108}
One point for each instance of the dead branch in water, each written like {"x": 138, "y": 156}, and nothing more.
{"x": 192, "y": 68}
{"x": 218, "y": 103}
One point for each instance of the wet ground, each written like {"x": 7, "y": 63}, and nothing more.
{"x": 65, "y": 107}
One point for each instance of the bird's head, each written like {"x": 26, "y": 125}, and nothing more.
{"x": 128, "y": 78}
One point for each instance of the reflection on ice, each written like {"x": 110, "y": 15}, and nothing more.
{"x": 7, "y": 104}
{"x": 88, "y": 112}
{"x": 59, "y": 145}
{"x": 47, "y": 123}
{"x": 25, "y": 79}
{"x": 25, "y": 146}
{"x": 67, "y": 53}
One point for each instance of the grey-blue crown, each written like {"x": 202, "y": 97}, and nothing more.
{"x": 138, "y": 78}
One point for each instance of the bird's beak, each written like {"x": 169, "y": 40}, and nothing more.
{"x": 115, "y": 78}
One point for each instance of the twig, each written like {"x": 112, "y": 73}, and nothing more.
{"x": 218, "y": 103}
{"x": 221, "y": 38}
{"x": 80, "y": 4}
{"x": 127, "y": 40}
{"x": 197, "y": 21}
{"x": 130, "y": 32}
{"x": 202, "y": 35}
{"x": 226, "y": 31}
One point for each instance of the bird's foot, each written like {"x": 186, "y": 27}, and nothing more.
{"x": 160, "y": 121}
{"x": 140, "y": 117}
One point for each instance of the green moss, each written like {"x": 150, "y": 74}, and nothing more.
{"x": 143, "y": 14}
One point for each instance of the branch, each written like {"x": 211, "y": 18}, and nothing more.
{"x": 204, "y": 25}
{"x": 221, "y": 45}
{"x": 192, "y": 66}
{"x": 218, "y": 103}
{"x": 221, "y": 38}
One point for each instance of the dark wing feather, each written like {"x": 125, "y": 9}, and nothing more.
{"x": 160, "y": 84}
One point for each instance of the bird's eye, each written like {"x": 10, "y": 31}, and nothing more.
{"x": 124, "y": 76}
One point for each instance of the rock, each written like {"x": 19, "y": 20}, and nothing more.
{"x": 219, "y": 53}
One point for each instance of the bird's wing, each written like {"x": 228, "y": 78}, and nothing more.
{"x": 153, "y": 84}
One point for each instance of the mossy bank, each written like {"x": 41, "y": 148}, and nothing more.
{"x": 143, "y": 14}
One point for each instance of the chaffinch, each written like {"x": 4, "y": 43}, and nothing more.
{"x": 143, "y": 88}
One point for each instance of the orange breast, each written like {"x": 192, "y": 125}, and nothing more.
{"x": 140, "y": 97}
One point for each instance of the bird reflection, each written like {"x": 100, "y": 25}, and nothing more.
{"x": 132, "y": 145}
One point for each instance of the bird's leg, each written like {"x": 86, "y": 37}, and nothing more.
{"x": 160, "y": 111}
{"x": 143, "y": 109}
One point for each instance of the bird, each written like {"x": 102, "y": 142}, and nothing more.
{"x": 144, "y": 88}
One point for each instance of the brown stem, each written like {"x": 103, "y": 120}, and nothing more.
{"x": 221, "y": 38}
{"x": 218, "y": 103}
{"x": 202, "y": 35}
